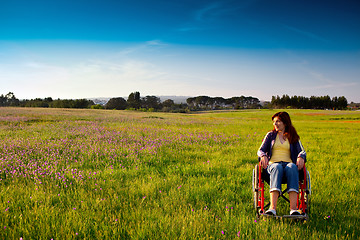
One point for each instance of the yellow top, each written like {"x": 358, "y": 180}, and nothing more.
{"x": 280, "y": 151}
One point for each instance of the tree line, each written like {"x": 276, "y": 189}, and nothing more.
{"x": 314, "y": 102}
{"x": 133, "y": 102}
{"x": 212, "y": 103}
{"x": 153, "y": 103}
{"x": 9, "y": 100}
{"x": 147, "y": 103}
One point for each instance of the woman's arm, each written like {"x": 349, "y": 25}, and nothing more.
{"x": 300, "y": 163}
{"x": 264, "y": 150}
{"x": 301, "y": 151}
{"x": 265, "y": 146}
{"x": 300, "y": 155}
{"x": 264, "y": 161}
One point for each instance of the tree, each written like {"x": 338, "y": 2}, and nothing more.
{"x": 69, "y": 103}
{"x": 243, "y": 102}
{"x": 37, "y": 102}
{"x": 340, "y": 102}
{"x": 134, "y": 100}
{"x": 2, "y": 100}
{"x": 191, "y": 102}
{"x": 151, "y": 102}
{"x": 82, "y": 103}
{"x": 343, "y": 103}
{"x": 314, "y": 102}
{"x": 203, "y": 102}
{"x": 9, "y": 100}
{"x": 97, "y": 106}
{"x": 219, "y": 102}
{"x": 168, "y": 103}
{"x": 116, "y": 103}
{"x": 251, "y": 102}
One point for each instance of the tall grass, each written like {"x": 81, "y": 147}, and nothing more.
{"x": 95, "y": 174}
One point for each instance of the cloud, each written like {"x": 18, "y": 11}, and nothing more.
{"x": 155, "y": 43}
{"x": 329, "y": 83}
{"x": 210, "y": 9}
{"x": 221, "y": 8}
{"x": 213, "y": 12}
{"x": 145, "y": 46}
{"x": 123, "y": 71}
{"x": 188, "y": 29}
{"x": 306, "y": 33}
{"x": 202, "y": 16}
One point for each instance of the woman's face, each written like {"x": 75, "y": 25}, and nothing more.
{"x": 278, "y": 124}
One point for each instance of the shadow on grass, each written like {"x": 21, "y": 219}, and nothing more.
{"x": 340, "y": 222}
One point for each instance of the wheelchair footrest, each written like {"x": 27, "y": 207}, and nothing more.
{"x": 288, "y": 217}
{"x": 296, "y": 217}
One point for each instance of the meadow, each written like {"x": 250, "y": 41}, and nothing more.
{"x": 102, "y": 174}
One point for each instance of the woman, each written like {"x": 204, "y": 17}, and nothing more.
{"x": 282, "y": 154}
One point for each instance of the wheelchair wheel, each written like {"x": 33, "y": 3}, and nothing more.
{"x": 255, "y": 186}
{"x": 307, "y": 194}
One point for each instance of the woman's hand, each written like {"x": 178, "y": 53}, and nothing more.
{"x": 264, "y": 162}
{"x": 300, "y": 163}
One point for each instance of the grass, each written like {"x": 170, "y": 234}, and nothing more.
{"x": 96, "y": 174}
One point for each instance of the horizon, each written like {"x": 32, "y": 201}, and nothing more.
{"x": 175, "y": 98}
{"x": 73, "y": 50}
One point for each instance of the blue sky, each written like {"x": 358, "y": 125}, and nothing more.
{"x": 102, "y": 48}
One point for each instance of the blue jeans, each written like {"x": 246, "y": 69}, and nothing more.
{"x": 289, "y": 171}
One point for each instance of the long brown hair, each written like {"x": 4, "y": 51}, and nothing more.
{"x": 290, "y": 132}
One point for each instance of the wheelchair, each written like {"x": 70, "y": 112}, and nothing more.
{"x": 260, "y": 176}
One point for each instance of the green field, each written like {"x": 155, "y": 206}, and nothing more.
{"x": 96, "y": 174}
